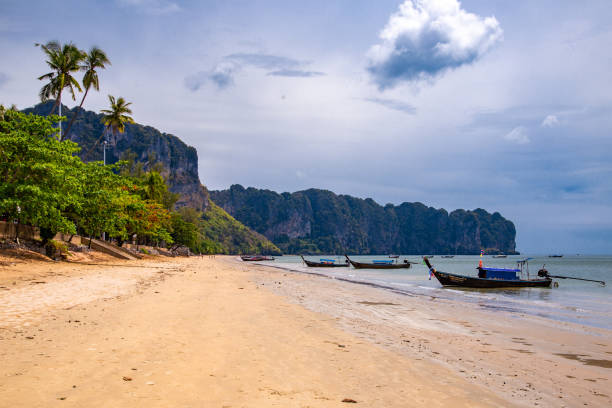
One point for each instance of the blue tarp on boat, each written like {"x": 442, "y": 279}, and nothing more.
{"x": 499, "y": 273}
{"x": 328, "y": 260}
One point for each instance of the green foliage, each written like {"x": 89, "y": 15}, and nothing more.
{"x": 184, "y": 232}
{"x": 40, "y": 175}
{"x": 45, "y": 184}
{"x": 102, "y": 205}
{"x": 221, "y": 233}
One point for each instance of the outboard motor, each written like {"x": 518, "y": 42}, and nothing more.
{"x": 543, "y": 273}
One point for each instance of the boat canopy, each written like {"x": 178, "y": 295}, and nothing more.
{"x": 498, "y": 273}
{"x": 328, "y": 260}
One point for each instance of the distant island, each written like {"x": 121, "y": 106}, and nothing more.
{"x": 317, "y": 221}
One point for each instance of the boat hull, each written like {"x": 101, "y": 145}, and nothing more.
{"x": 256, "y": 258}
{"x": 362, "y": 265}
{"x": 325, "y": 265}
{"x": 450, "y": 279}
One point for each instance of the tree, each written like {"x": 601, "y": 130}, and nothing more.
{"x": 101, "y": 201}
{"x": 3, "y": 110}
{"x": 115, "y": 118}
{"x": 40, "y": 174}
{"x": 96, "y": 58}
{"x": 184, "y": 232}
{"x": 63, "y": 61}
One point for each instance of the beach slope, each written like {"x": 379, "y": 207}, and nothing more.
{"x": 192, "y": 332}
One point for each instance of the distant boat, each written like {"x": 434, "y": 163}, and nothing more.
{"x": 447, "y": 256}
{"x": 429, "y": 256}
{"x": 555, "y": 256}
{"x": 324, "y": 263}
{"x": 379, "y": 264}
{"x": 252, "y": 258}
{"x": 500, "y": 256}
{"x": 489, "y": 278}
{"x": 394, "y": 256}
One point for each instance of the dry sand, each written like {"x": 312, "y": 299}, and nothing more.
{"x": 202, "y": 332}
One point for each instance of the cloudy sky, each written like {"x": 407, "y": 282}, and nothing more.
{"x": 495, "y": 104}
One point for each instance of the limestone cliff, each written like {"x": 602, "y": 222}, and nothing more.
{"x": 319, "y": 221}
{"x": 144, "y": 144}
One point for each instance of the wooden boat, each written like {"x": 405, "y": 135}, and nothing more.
{"x": 379, "y": 264}
{"x": 500, "y": 256}
{"x": 252, "y": 258}
{"x": 447, "y": 256}
{"x": 324, "y": 263}
{"x": 555, "y": 256}
{"x": 489, "y": 278}
{"x": 394, "y": 256}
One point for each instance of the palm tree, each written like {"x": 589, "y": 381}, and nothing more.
{"x": 115, "y": 118}
{"x": 95, "y": 59}
{"x": 64, "y": 61}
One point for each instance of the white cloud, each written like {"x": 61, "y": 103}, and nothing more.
{"x": 550, "y": 121}
{"x": 518, "y": 135}
{"x": 427, "y": 37}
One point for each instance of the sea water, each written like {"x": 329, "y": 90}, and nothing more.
{"x": 587, "y": 303}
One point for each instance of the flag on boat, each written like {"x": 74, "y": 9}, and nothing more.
{"x": 481, "y": 252}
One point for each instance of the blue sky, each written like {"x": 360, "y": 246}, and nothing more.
{"x": 494, "y": 104}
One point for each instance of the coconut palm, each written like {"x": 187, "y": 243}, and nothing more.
{"x": 115, "y": 118}
{"x": 96, "y": 58}
{"x": 64, "y": 61}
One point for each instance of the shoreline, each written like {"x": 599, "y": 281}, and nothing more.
{"x": 540, "y": 361}
{"x": 219, "y": 332}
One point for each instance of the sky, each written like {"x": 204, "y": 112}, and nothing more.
{"x": 491, "y": 104}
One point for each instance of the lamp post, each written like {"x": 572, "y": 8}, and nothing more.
{"x": 104, "y": 149}
{"x": 60, "y": 122}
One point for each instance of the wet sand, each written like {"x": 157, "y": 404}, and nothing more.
{"x": 528, "y": 360}
{"x": 193, "y": 332}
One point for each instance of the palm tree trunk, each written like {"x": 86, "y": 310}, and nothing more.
{"x": 95, "y": 144}
{"x": 58, "y": 100}
{"x": 76, "y": 114}
{"x": 55, "y": 105}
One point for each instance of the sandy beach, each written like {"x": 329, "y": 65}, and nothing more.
{"x": 215, "y": 332}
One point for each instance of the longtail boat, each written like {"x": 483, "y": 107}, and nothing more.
{"x": 447, "y": 256}
{"x": 324, "y": 263}
{"x": 500, "y": 256}
{"x": 253, "y": 258}
{"x": 376, "y": 264}
{"x": 489, "y": 278}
